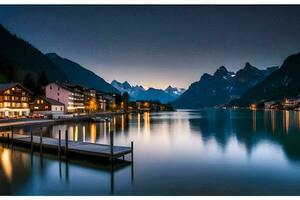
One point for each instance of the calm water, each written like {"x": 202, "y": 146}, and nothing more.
{"x": 209, "y": 152}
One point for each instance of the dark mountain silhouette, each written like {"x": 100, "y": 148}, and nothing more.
{"x": 283, "y": 82}
{"x": 77, "y": 74}
{"x": 18, "y": 58}
{"x": 221, "y": 87}
{"x": 21, "y": 62}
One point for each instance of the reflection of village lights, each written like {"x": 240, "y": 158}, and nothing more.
{"x": 139, "y": 122}
{"x": 254, "y": 120}
{"x": 93, "y": 133}
{"x": 122, "y": 122}
{"x": 76, "y": 134}
{"x": 83, "y": 133}
{"x": 298, "y": 119}
{"x": 6, "y": 163}
{"x": 147, "y": 124}
{"x": 286, "y": 120}
{"x": 273, "y": 120}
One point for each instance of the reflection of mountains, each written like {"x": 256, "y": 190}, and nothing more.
{"x": 251, "y": 128}
{"x": 18, "y": 168}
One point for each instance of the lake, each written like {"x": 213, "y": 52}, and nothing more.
{"x": 188, "y": 152}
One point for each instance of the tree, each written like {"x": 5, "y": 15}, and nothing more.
{"x": 41, "y": 83}
{"x": 125, "y": 100}
{"x": 125, "y": 97}
{"x": 28, "y": 82}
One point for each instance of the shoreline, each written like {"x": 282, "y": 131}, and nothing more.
{"x": 6, "y": 123}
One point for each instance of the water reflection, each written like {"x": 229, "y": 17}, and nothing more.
{"x": 199, "y": 152}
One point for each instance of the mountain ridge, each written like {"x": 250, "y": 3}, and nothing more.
{"x": 220, "y": 87}
{"x": 138, "y": 92}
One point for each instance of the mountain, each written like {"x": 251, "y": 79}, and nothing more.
{"x": 18, "y": 58}
{"x": 221, "y": 87}
{"x": 77, "y": 74}
{"x": 283, "y": 82}
{"x": 140, "y": 93}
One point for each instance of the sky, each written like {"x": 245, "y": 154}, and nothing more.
{"x": 157, "y": 46}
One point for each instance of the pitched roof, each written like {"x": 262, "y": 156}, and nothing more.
{"x": 51, "y": 101}
{"x": 5, "y": 86}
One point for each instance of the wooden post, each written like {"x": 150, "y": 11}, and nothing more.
{"x": 12, "y": 136}
{"x": 66, "y": 140}
{"x": 131, "y": 151}
{"x": 59, "y": 141}
{"x": 111, "y": 145}
{"x": 3, "y": 139}
{"x": 41, "y": 141}
{"x": 8, "y": 139}
{"x": 31, "y": 140}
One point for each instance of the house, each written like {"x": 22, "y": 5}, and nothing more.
{"x": 101, "y": 102}
{"x": 14, "y": 100}
{"x": 71, "y": 95}
{"x": 110, "y": 101}
{"x": 90, "y": 101}
{"x": 291, "y": 103}
{"x": 46, "y": 106}
{"x": 269, "y": 104}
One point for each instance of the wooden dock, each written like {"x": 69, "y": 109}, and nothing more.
{"x": 68, "y": 148}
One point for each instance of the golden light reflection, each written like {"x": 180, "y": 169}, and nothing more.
{"x": 147, "y": 124}
{"x": 122, "y": 122}
{"x": 254, "y": 120}
{"x": 298, "y": 120}
{"x": 286, "y": 120}
{"x": 273, "y": 120}
{"x": 6, "y": 164}
{"x": 93, "y": 133}
{"x": 139, "y": 123}
{"x": 76, "y": 134}
{"x": 83, "y": 133}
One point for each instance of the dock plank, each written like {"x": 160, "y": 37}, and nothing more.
{"x": 75, "y": 147}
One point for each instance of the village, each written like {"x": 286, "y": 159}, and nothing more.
{"x": 67, "y": 100}
{"x": 282, "y": 104}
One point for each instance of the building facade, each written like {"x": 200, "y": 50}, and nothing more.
{"x": 72, "y": 96}
{"x": 14, "y": 100}
{"x": 46, "y": 106}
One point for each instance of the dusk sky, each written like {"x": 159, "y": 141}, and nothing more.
{"x": 159, "y": 45}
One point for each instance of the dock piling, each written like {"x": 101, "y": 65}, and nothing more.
{"x": 66, "y": 140}
{"x": 31, "y": 140}
{"x": 59, "y": 142}
{"x": 131, "y": 151}
{"x": 12, "y": 136}
{"x": 8, "y": 139}
{"x": 41, "y": 141}
{"x": 111, "y": 144}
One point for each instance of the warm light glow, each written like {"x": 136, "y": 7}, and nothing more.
{"x": 146, "y": 105}
{"x": 253, "y": 106}
{"x": 93, "y": 133}
{"x": 122, "y": 122}
{"x": 92, "y": 105}
{"x": 286, "y": 120}
{"x": 83, "y": 133}
{"x": 76, "y": 134}
{"x": 139, "y": 123}
{"x": 273, "y": 120}
{"x": 6, "y": 163}
{"x": 254, "y": 120}
{"x": 147, "y": 124}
